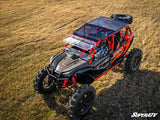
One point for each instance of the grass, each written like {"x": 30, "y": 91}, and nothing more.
{"x": 5, "y": 22}
{"x": 35, "y": 33}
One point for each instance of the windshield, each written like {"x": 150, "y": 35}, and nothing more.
{"x": 78, "y": 53}
{"x": 92, "y": 32}
{"x": 85, "y": 45}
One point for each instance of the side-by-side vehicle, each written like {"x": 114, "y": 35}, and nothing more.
{"x": 92, "y": 51}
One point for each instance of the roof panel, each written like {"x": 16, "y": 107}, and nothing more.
{"x": 95, "y": 29}
{"x": 108, "y": 23}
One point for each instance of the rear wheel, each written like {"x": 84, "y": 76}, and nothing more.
{"x": 133, "y": 60}
{"x": 81, "y": 101}
{"x": 43, "y": 83}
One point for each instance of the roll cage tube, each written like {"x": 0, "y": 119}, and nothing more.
{"x": 127, "y": 33}
{"x": 94, "y": 50}
{"x": 110, "y": 42}
{"x": 90, "y": 51}
{"x": 129, "y": 29}
{"x": 65, "y": 46}
{"x": 90, "y": 61}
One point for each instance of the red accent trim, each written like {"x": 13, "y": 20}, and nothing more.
{"x": 109, "y": 43}
{"x": 93, "y": 53}
{"x": 65, "y": 46}
{"x": 90, "y": 51}
{"x": 74, "y": 80}
{"x": 90, "y": 61}
{"x": 98, "y": 42}
{"x": 127, "y": 33}
{"x": 92, "y": 57}
{"x": 112, "y": 41}
{"x": 118, "y": 46}
{"x": 65, "y": 83}
{"x": 106, "y": 72}
{"x": 83, "y": 50}
{"x": 113, "y": 60}
{"x": 128, "y": 41}
{"x": 130, "y": 29}
{"x": 131, "y": 36}
{"x": 121, "y": 37}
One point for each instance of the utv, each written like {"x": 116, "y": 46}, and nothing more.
{"x": 92, "y": 51}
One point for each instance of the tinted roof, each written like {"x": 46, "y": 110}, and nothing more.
{"x": 93, "y": 32}
{"x": 99, "y": 28}
{"x": 108, "y": 23}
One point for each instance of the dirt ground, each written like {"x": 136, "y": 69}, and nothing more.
{"x": 31, "y": 31}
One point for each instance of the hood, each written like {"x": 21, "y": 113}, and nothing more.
{"x": 66, "y": 62}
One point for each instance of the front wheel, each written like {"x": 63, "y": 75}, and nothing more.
{"x": 133, "y": 60}
{"x": 81, "y": 101}
{"x": 43, "y": 83}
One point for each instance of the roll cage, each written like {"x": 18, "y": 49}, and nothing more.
{"x": 115, "y": 40}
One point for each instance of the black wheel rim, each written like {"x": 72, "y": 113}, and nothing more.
{"x": 85, "y": 103}
{"x": 47, "y": 84}
{"x": 136, "y": 62}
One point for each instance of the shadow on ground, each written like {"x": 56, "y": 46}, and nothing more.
{"x": 139, "y": 92}
{"x": 58, "y": 101}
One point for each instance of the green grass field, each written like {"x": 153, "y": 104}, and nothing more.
{"x": 31, "y": 31}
